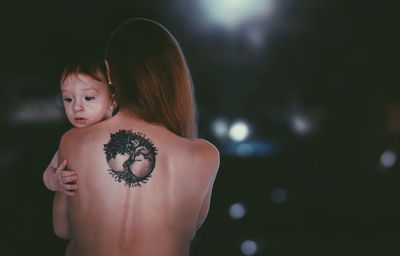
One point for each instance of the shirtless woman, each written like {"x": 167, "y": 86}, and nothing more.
{"x": 145, "y": 180}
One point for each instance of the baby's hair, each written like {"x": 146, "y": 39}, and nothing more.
{"x": 94, "y": 68}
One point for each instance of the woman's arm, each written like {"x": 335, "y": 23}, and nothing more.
{"x": 205, "y": 206}
{"x": 210, "y": 173}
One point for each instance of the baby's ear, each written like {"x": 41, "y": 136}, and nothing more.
{"x": 113, "y": 108}
{"x": 114, "y": 102}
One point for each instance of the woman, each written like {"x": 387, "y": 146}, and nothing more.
{"x": 144, "y": 180}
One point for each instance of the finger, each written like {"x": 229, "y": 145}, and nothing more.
{"x": 70, "y": 178}
{"x": 66, "y": 173}
{"x": 69, "y": 193}
{"x": 62, "y": 165}
{"x": 70, "y": 186}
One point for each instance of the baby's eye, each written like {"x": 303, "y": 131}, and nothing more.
{"x": 89, "y": 98}
{"x": 67, "y": 99}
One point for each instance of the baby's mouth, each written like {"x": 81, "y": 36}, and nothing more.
{"x": 80, "y": 120}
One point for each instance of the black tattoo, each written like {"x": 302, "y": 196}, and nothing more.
{"x": 136, "y": 157}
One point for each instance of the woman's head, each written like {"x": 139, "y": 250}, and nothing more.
{"x": 87, "y": 97}
{"x": 151, "y": 76}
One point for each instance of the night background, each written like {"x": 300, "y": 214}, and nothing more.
{"x": 301, "y": 97}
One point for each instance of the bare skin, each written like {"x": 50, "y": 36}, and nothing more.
{"x": 56, "y": 178}
{"x": 86, "y": 102}
{"x": 160, "y": 217}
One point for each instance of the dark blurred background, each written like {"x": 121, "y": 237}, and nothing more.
{"x": 300, "y": 96}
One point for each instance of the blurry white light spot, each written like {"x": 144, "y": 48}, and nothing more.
{"x": 239, "y": 131}
{"x": 278, "y": 195}
{"x": 237, "y": 211}
{"x": 300, "y": 125}
{"x": 388, "y": 158}
{"x": 232, "y": 13}
{"x": 248, "y": 247}
{"x": 220, "y": 128}
{"x": 36, "y": 111}
{"x": 244, "y": 150}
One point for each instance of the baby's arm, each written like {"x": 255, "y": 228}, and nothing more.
{"x": 57, "y": 178}
{"x": 49, "y": 173}
{"x": 60, "y": 216}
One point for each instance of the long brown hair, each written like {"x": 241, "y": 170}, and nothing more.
{"x": 151, "y": 76}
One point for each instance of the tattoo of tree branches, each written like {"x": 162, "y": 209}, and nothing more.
{"x": 131, "y": 157}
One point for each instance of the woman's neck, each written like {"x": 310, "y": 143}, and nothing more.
{"x": 123, "y": 112}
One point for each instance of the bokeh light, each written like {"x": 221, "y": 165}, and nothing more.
{"x": 388, "y": 158}
{"x": 237, "y": 211}
{"x": 231, "y": 13}
{"x": 220, "y": 128}
{"x": 36, "y": 111}
{"x": 245, "y": 150}
{"x": 248, "y": 247}
{"x": 239, "y": 131}
{"x": 300, "y": 125}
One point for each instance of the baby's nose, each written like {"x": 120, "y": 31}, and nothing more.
{"x": 78, "y": 107}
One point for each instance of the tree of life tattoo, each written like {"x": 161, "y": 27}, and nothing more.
{"x": 131, "y": 157}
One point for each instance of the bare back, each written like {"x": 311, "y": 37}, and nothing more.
{"x": 158, "y": 211}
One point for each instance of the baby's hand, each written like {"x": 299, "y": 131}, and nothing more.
{"x": 65, "y": 179}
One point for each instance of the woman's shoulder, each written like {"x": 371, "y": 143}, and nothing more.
{"x": 201, "y": 151}
{"x": 68, "y": 135}
{"x": 201, "y": 146}
{"x": 78, "y": 137}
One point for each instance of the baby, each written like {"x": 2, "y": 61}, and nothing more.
{"x": 88, "y": 99}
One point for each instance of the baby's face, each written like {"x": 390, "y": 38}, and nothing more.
{"x": 86, "y": 100}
